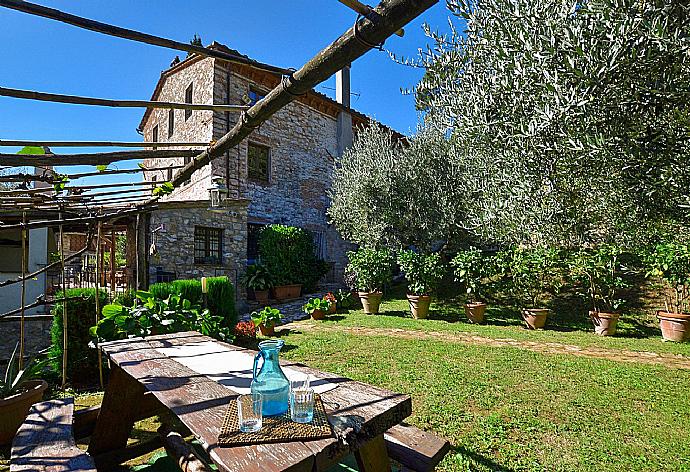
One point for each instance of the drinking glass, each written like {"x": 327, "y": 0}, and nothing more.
{"x": 249, "y": 412}
{"x": 299, "y": 382}
{"x": 302, "y": 405}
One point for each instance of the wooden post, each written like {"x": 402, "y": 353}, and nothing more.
{"x": 113, "y": 288}
{"x": 64, "y": 306}
{"x": 98, "y": 308}
{"x": 23, "y": 296}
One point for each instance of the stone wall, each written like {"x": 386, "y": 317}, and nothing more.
{"x": 37, "y": 334}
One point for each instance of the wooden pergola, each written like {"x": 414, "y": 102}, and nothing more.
{"x": 99, "y": 208}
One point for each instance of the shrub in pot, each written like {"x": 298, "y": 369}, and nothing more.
{"x": 316, "y": 308}
{"x": 372, "y": 269}
{"x": 471, "y": 270}
{"x": 598, "y": 274}
{"x": 344, "y": 299}
{"x": 266, "y": 320}
{"x": 258, "y": 279}
{"x": 19, "y": 389}
{"x": 423, "y": 273}
{"x": 670, "y": 262}
{"x": 529, "y": 274}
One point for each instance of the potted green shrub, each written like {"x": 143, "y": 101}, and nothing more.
{"x": 529, "y": 274}
{"x": 316, "y": 308}
{"x": 372, "y": 269}
{"x": 19, "y": 389}
{"x": 671, "y": 263}
{"x": 266, "y": 320}
{"x": 344, "y": 299}
{"x": 423, "y": 273}
{"x": 597, "y": 272}
{"x": 258, "y": 279}
{"x": 470, "y": 268}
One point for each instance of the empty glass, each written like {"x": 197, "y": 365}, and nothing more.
{"x": 299, "y": 382}
{"x": 249, "y": 412}
{"x": 302, "y": 405}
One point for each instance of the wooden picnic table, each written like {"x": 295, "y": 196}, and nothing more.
{"x": 200, "y": 403}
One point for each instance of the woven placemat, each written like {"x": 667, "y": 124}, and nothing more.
{"x": 275, "y": 429}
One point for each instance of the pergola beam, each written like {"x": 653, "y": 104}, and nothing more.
{"x": 110, "y": 30}
{"x": 76, "y": 220}
{"x": 103, "y": 102}
{"x": 100, "y": 158}
{"x": 136, "y": 144}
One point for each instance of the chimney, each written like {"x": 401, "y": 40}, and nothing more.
{"x": 342, "y": 96}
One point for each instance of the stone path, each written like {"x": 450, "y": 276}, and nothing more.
{"x": 291, "y": 310}
{"x": 677, "y": 361}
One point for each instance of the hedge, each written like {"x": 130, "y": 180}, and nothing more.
{"x": 82, "y": 360}
{"x": 220, "y": 298}
{"x": 288, "y": 254}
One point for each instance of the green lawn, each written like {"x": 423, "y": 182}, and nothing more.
{"x": 508, "y": 409}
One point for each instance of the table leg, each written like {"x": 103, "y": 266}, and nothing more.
{"x": 118, "y": 413}
{"x": 373, "y": 456}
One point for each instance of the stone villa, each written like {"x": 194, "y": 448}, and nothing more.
{"x": 280, "y": 174}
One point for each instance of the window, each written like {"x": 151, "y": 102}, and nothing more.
{"x": 188, "y": 94}
{"x": 154, "y": 134}
{"x": 253, "y": 231}
{"x": 254, "y": 96}
{"x": 208, "y": 245}
{"x": 258, "y": 163}
{"x": 171, "y": 123}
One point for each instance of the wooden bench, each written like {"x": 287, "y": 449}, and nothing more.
{"x": 415, "y": 449}
{"x": 45, "y": 441}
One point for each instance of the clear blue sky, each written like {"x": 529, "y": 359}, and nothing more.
{"x": 41, "y": 54}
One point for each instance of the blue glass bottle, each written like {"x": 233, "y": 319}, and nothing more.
{"x": 270, "y": 381}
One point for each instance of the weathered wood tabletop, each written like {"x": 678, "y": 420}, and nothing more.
{"x": 200, "y": 403}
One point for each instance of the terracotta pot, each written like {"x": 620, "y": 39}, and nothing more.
{"x": 604, "y": 323}
{"x": 674, "y": 326}
{"x": 475, "y": 312}
{"x": 287, "y": 292}
{"x": 333, "y": 308}
{"x": 295, "y": 290}
{"x": 13, "y": 409}
{"x": 318, "y": 314}
{"x": 267, "y": 330}
{"x": 261, "y": 296}
{"x": 535, "y": 318}
{"x": 370, "y": 301}
{"x": 419, "y": 306}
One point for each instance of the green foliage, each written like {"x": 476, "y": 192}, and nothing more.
{"x": 257, "y": 277}
{"x": 671, "y": 263}
{"x": 423, "y": 272}
{"x": 529, "y": 274}
{"x": 158, "y": 316}
{"x": 373, "y": 268}
{"x": 598, "y": 272}
{"x": 125, "y": 298}
{"x": 267, "y": 317}
{"x": 32, "y": 150}
{"x": 165, "y": 188}
{"x": 14, "y": 376}
{"x": 220, "y": 297}
{"x": 288, "y": 254}
{"x": 101, "y": 168}
{"x": 473, "y": 270}
{"x": 344, "y": 299}
{"x": 82, "y": 360}
{"x": 59, "y": 182}
{"x": 314, "y": 304}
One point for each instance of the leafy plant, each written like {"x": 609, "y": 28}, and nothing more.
{"x": 267, "y": 317}
{"x": 598, "y": 272}
{"x": 344, "y": 299}
{"x": 245, "y": 329}
{"x": 314, "y": 304}
{"x": 15, "y": 377}
{"x": 671, "y": 263}
{"x": 529, "y": 274}
{"x": 422, "y": 271}
{"x": 373, "y": 268}
{"x": 165, "y": 188}
{"x": 331, "y": 299}
{"x": 257, "y": 277}
{"x": 220, "y": 298}
{"x": 101, "y": 168}
{"x": 158, "y": 316}
{"x": 472, "y": 269}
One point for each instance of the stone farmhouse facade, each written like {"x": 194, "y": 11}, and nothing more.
{"x": 280, "y": 174}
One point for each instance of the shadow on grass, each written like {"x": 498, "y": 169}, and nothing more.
{"x": 480, "y": 460}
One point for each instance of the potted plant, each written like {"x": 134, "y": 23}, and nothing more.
{"x": 258, "y": 279}
{"x": 529, "y": 274}
{"x": 344, "y": 299}
{"x": 19, "y": 389}
{"x": 597, "y": 272}
{"x": 372, "y": 268}
{"x": 330, "y": 298}
{"x": 671, "y": 263}
{"x": 317, "y": 308}
{"x": 423, "y": 273}
{"x": 470, "y": 270}
{"x": 266, "y": 320}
